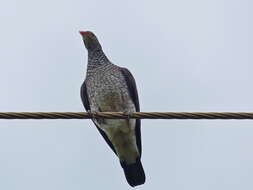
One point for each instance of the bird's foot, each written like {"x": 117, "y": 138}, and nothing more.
{"x": 129, "y": 114}
{"x": 92, "y": 115}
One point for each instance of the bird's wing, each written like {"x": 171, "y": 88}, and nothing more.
{"x": 85, "y": 100}
{"x": 134, "y": 95}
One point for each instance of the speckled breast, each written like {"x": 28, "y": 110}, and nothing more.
{"x": 107, "y": 90}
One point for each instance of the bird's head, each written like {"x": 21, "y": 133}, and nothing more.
{"x": 90, "y": 40}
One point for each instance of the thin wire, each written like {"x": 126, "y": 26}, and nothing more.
{"x": 123, "y": 115}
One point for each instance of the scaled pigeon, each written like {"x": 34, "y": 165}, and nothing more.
{"x": 110, "y": 88}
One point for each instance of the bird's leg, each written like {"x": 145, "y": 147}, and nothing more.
{"x": 129, "y": 113}
{"x": 92, "y": 116}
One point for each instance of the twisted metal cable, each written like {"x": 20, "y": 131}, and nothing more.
{"x": 123, "y": 115}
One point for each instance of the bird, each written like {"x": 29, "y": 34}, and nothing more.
{"x": 111, "y": 88}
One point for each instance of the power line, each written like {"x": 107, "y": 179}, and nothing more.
{"x": 123, "y": 115}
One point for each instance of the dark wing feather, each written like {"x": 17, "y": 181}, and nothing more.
{"x": 84, "y": 97}
{"x": 85, "y": 100}
{"x": 134, "y": 95}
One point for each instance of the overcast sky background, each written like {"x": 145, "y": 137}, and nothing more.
{"x": 185, "y": 55}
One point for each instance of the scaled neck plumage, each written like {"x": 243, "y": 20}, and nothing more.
{"x": 96, "y": 58}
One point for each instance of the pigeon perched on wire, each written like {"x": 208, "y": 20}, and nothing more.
{"x": 110, "y": 88}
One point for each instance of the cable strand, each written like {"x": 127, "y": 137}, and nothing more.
{"x": 123, "y": 115}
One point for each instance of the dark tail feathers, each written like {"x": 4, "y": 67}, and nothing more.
{"x": 134, "y": 173}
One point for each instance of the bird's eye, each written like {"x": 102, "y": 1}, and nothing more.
{"x": 92, "y": 36}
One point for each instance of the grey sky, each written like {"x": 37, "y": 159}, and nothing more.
{"x": 185, "y": 55}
